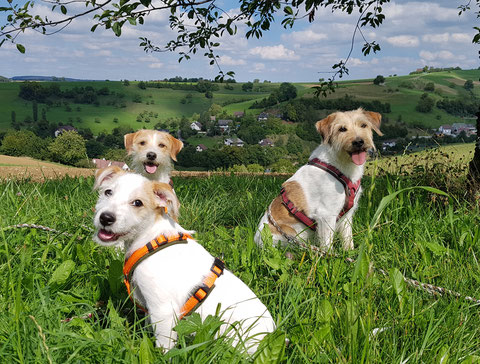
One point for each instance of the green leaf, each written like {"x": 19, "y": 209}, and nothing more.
{"x": 61, "y": 274}
{"x": 435, "y": 248}
{"x": 389, "y": 198}
{"x": 271, "y": 349}
{"x": 398, "y": 283}
{"x": 21, "y": 48}
{"x": 63, "y": 9}
{"x": 325, "y": 311}
{"x": 146, "y": 351}
{"x": 115, "y": 273}
{"x": 117, "y": 29}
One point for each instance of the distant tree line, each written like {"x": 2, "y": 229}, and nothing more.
{"x": 285, "y": 92}
{"x": 459, "y": 107}
{"x": 44, "y": 93}
{"x": 303, "y": 109}
{"x": 200, "y": 85}
{"x": 431, "y": 69}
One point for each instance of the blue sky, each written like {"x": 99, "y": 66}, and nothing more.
{"x": 413, "y": 35}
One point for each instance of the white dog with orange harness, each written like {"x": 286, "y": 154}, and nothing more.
{"x": 322, "y": 196}
{"x": 166, "y": 271}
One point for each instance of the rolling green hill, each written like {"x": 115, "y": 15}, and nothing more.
{"x": 123, "y": 104}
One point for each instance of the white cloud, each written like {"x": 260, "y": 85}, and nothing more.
{"x": 403, "y": 41}
{"x": 229, "y": 61}
{"x": 445, "y": 38}
{"x": 305, "y": 37}
{"x": 275, "y": 53}
{"x": 104, "y": 53}
{"x": 156, "y": 65}
{"x": 441, "y": 55}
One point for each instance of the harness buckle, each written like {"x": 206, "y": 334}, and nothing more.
{"x": 218, "y": 267}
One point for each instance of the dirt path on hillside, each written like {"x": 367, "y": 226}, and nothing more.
{"x": 20, "y": 168}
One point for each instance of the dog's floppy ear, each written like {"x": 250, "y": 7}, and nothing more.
{"x": 128, "y": 141}
{"x": 324, "y": 127}
{"x": 176, "y": 147}
{"x": 166, "y": 199}
{"x": 375, "y": 119}
{"x": 105, "y": 174}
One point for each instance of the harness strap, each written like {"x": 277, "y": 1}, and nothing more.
{"x": 295, "y": 212}
{"x": 202, "y": 291}
{"x": 351, "y": 190}
{"x": 152, "y": 247}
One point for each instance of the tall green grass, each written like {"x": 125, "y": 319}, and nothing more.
{"x": 331, "y": 310}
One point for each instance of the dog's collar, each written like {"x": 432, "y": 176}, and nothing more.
{"x": 351, "y": 190}
{"x": 198, "y": 294}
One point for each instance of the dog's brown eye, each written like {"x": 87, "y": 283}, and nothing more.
{"x": 137, "y": 203}
{"x": 142, "y": 142}
{"x": 364, "y": 125}
{"x": 108, "y": 192}
{"x": 161, "y": 145}
{"x": 342, "y": 129}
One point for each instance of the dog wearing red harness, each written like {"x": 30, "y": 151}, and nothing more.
{"x": 322, "y": 196}
{"x": 166, "y": 272}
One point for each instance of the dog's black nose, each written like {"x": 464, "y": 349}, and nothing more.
{"x": 151, "y": 156}
{"x": 107, "y": 218}
{"x": 358, "y": 143}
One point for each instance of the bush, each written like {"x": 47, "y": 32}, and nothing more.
{"x": 68, "y": 148}
{"x": 85, "y": 163}
{"x": 430, "y": 86}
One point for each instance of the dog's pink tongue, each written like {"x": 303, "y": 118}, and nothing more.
{"x": 105, "y": 235}
{"x": 359, "y": 157}
{"x": 150, "y": 168}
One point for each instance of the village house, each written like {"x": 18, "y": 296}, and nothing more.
{"x": 266, "y": 142}
{"x": 201, "y": 148}
{"x": 263, "y": 116}
{"x": 196, "y": 126}
{"x": 445, "y": 129}
{"x": 388, "y": 144}
{"x": 62, "y": 129}
{"x": 238, "y": 114}
{"x": 234, "y": 142}
{"x": 104, "y": 163}
{"x": 224, "y": 125}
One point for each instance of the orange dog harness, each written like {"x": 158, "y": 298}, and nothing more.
{"x": 160, "y": 242}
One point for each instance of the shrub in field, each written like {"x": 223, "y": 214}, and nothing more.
{"x": 68, "y": 148}
{"x": 24, "y": 143}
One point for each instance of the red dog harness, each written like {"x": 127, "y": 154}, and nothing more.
{"x": 198, "y": 294}
{"x": 351, "y": 190}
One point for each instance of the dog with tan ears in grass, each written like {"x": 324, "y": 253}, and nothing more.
{"x": 166, "y": 272}
{"x": 322, "y": 196}
{"x": 151, "y": 153}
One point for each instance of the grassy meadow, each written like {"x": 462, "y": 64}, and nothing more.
{"x": 402, "y": 92}
{"x": 331, "y": 310}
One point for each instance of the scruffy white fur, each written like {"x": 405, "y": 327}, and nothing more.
{"x": 163, "y": 282}
{"x": 323, "y": 194}
{"x": 151, "y": 153}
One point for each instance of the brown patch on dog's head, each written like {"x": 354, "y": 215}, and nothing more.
{"x": 106, "y": 174}
{"x": 165, "y": 200}
{"x": 324, "y": 127}
{"x": 350, "y": 132}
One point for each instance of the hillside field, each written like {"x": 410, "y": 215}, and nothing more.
{"x": 402, "y": 92}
